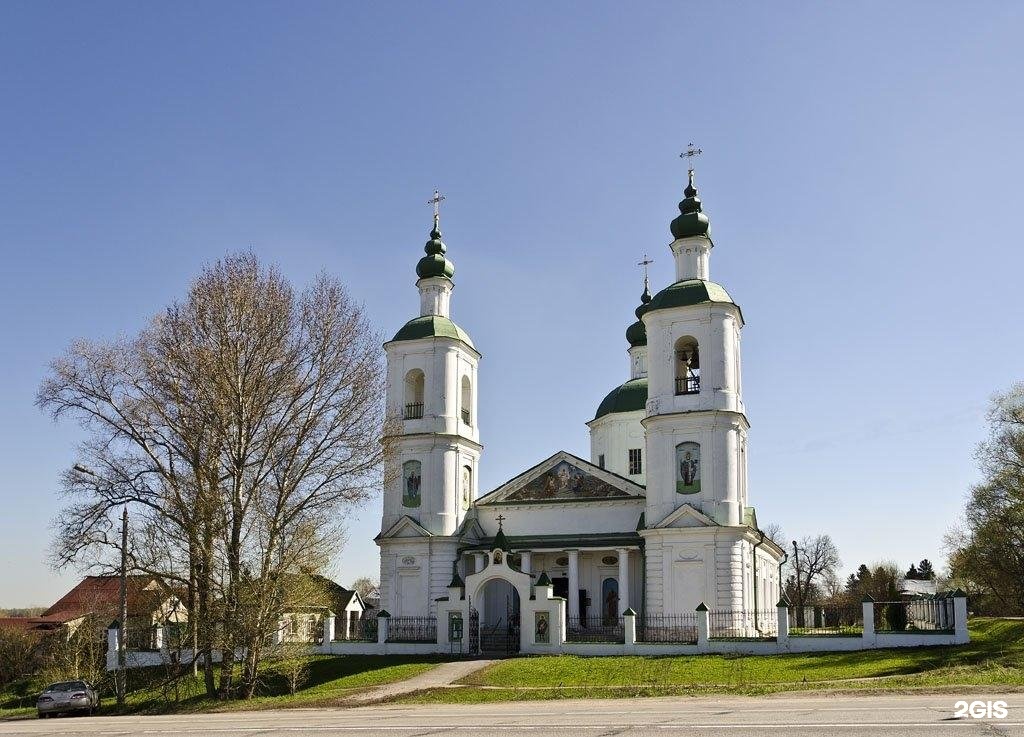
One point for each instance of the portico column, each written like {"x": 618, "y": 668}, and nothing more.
{"x": 525, "y": 562}
{"x": 623, "y": 580}
{"x": 574, "y": 583}
{"x": 480, "y": 560}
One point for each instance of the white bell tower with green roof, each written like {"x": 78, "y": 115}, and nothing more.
{"x": 701, "y": 538}
{"x": 431, "y": 475}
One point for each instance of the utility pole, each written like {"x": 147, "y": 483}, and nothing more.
{"x": 120, "y": 684}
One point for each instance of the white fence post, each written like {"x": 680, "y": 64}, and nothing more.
{"x": 960, "y": 617}
{"x": 629, "y": 629}
{"x": 383, "y": 623}
{"x": 782, "y": 608}
{"x": 113, "y": 641}
{"x": 329, "y": 628}
{"x": 702, "y": 627}
{"x": 868, "y": 605}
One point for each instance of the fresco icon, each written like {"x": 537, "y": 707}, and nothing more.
{"x": 411, "y": 478}
{"x": 688, "y": 468}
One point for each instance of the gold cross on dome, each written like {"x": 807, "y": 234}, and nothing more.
{"x": 690, "y": 153}
{"x": 436, "y": 201}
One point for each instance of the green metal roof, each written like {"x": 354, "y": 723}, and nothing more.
{"x": 689, "y": 292}
{"x": 581, "y": 540}
{"x": 628, "y": 397}
{"x": 433, "y": 326}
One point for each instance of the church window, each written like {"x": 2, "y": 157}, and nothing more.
{"x": 412, "y": 477}
{"x": 467, "y": 400}
{"x": 688, "y": 468}
{"x": 414, "y": 381}
{"x": 600, "y": 460}
{"x": 635, "y": 462}
{"x": 687, "y": 366}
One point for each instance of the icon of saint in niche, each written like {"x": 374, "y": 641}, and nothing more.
{"x": 411, "y": 479}
{"x": 467, "y": 486}
{"x": 688, "y": 468}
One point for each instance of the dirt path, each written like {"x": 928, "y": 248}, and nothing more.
{"x": 443, "y": 675}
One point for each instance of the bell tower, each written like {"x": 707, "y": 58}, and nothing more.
{"x": 696, "y": 428}
{"x": 431, "y": 476}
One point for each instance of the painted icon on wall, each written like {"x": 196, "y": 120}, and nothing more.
{"x": 411, "y": 478}
{"x": 541, "y": 627}
{"x": 688, "y": 468}
{"x": 467, "y": 487}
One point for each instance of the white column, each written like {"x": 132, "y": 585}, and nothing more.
{"x": 574, "y": 583}
{"x": 623, "y": 580}
{"x": 329, "y": 627}
{"x": 481, "y": 561}
{"x": 526, "y": 562}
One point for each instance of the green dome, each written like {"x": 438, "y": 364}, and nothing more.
{"x": 629, "y": 397}
{"x": 432, "y": 326}
{"x": 636, "y": 333}
{"x": 435, "y": 263}
{"x": 692, "y": 220}
{"x": 689, "y": 292}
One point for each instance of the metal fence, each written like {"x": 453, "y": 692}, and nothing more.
{"x": 414, "y": 411}
{"x": 822, "y": 621}
{"x": 678, "y": 628}
{"x": 594, "y": 629}
{"x": 917, "y": 615}
{"x": 359, "y": 630}
{"x": 412, "y": 629}
{"x": 742, "y": 624}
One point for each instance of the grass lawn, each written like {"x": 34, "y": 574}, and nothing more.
{"x": 330, "y": 679}
{"x": 995, "y": 657}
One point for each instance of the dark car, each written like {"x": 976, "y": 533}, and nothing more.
{"x": 68, "y": 696}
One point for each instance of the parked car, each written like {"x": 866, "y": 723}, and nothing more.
{"x": 68, "y": 696}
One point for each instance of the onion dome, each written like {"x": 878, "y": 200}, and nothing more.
{"x": 636, "y": 333}
{"x": 628, "y": 397}
{"x": 692, "y": 220}
{"x": 435, "y": 263}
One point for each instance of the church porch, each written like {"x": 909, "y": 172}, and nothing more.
{"x": 598, "y": 577}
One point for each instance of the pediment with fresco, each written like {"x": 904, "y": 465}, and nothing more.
{"x": 564, "y": 478}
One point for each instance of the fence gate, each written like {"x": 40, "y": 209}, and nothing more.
{"x": 473, "y": 643}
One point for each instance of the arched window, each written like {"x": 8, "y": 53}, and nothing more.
{"x": 467, "y": 400}
{"x": 687, "y": 366}
{"x": 688, "y": 468}
{"x": 412, "y": 478}
{"x": 414, "y": 381}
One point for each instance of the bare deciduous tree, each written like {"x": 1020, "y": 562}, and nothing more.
{"x": 814, "y": 561}
{"x": 238, "y": 426}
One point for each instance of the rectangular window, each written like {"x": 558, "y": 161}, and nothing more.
{"x": 600, "y": 460}
{"x": 635, "y": 462}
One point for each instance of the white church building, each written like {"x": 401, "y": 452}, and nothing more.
{"x": 656, "y": 522}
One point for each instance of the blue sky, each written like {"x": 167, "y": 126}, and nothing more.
{"x": 861, "y": 170}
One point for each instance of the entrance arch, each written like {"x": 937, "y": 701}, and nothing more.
{"x": 498, "y": 602}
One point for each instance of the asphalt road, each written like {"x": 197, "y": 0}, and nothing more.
{"x": 846, "y": 716}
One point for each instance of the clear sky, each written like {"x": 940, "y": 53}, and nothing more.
{"x": 862, "y": 171}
